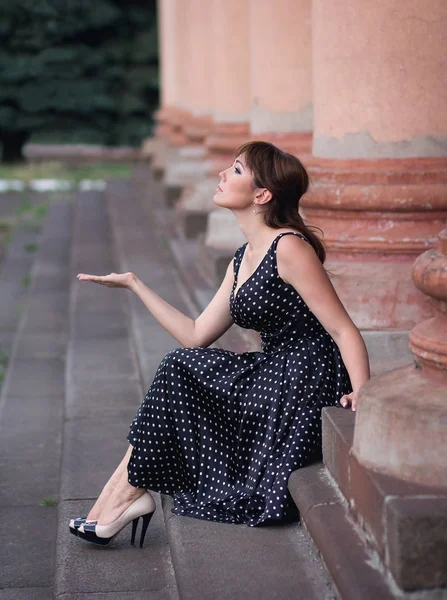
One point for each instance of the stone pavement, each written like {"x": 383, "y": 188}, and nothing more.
{"x": 82, "y": 358}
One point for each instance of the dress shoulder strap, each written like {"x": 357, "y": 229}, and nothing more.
{"x": 290, "y": 233}
{"x": 238, "y": 258}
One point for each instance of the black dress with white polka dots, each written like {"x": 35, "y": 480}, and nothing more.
{"x": 222, "y": 431}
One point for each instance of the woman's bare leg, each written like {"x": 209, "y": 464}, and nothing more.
{"x": 119, "y": 499}
{"x": 96, "y": 509}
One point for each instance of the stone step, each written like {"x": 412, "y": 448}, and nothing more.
{"x": 390, "y": 513}
{"x": 15, "y": 271}
{"x": 32, "y": 407}
{"x": 103, "y": 392}
{"x": 212, "y": 561}
{"x": 354, "y": 570}
{"x": 16, "y": 260}
{"x": 378, "y": 536}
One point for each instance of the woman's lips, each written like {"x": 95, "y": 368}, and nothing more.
{"x": 218, "y": 189}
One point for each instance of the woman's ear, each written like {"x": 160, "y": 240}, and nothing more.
{"x": 264, "y": 196}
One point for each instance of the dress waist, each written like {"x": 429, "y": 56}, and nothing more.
{"x": 291, "y": 334}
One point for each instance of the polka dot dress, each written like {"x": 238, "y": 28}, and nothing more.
{"x": 221, "y": 431}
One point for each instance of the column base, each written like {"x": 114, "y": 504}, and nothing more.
{"x": 377, "y": 216}
{"x": 185, "y": 167}
{"x": 298, "y": 143}
{"x": 222, "y": 238}
{"x": 193, "y": 208}
{"x": 170, "y": 123}
{"x": 197, "y": 129}
{"x": 222, "y": 143}
{"x": 404, "y": 522}
{"x": 394, "y": 404}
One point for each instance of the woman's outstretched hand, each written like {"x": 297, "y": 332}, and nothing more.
{"x": 350, "y": 400}
{"x": 121, "y": 280}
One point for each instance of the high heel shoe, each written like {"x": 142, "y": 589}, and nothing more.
{"x": 144, "y": 507}
{"x": 76, "y": 523}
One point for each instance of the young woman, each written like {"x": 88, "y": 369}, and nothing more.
{"x": 221, "y": 431}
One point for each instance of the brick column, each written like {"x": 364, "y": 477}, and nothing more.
{"x": 378, "y": 168}
{"x": 281, "y": 74}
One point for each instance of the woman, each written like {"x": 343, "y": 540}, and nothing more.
{"x": 220, "y": 431}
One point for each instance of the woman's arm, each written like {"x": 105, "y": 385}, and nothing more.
{"x": 206, "y": 329}
{"x": 299, "y": 266}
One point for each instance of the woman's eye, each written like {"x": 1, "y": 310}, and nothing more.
{"x": 237, "y": 170}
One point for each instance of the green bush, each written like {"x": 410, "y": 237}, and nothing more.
{"x": 77, "y": 70}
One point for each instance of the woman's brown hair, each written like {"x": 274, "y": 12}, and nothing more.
{"x": 286, "y": 178}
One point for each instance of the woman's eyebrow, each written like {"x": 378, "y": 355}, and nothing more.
{"x": 238, "y": 161}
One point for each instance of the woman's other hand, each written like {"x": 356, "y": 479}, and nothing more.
{"x": 121, "y": 280}
{"x": 350, "y": 400}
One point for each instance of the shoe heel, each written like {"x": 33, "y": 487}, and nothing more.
{"x": 134, "y": 530}
{"x": 146, "y": 521}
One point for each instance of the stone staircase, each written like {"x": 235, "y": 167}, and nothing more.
{"x": 32, "y": 403}
{"x": 368, "y": 528}
{"x": 81, "y": 359}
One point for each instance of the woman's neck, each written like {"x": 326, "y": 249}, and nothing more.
{"x": 254, "y": 230}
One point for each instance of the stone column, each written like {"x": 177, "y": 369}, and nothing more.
{"x": 186, "y": 163}
{"x": 168, "y": 51}
{"x": 281, "y": 74}
{"x": 231, "y": 112}
{"x": 180, "y": 25}
{"x": 231, "y": 90}
{"x": 378, "y": 168}
{"x": 157, "y": 147}
{"x": 200, "y": 72}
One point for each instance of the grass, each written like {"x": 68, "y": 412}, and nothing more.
{"x": 30, "y": 247}
{"x": 61, "y": 171}
{"x": 50, "y": 501}
{"x": 4, "y": 359}
{"x": 26, "y": 280}
{"x": 25, "y": 205}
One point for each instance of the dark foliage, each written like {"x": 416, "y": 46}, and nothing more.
{"x": 77, "y": 69}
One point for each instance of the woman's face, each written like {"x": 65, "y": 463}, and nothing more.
{"x": 236, "y": 189}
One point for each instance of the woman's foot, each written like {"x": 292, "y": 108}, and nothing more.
{"x": 114, "y": 480}
{"x": 119, "y": 500}
{"x": 143, "y": 506}
{"x": 100, "y": 503}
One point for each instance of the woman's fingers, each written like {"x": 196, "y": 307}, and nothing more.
{"x": 101, "y": 279}
{"x": 95, "y": 278}
{"x": 349, "y": 399}
{"x": 344, "y": 401}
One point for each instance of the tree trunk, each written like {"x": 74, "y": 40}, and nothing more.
{"x": 12, "y": 145}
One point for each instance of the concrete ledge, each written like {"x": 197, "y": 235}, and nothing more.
{"x": 83, "y": 568}
{"x": 338, "y": 433}
{"x": 406, "y": 523}
{"x": 220, "y": 561}
{"x": 354, "y": 570}
{"x": 27, "y": 548}
{"x": 30, "y": 426}
{"x": 20, "y": 593}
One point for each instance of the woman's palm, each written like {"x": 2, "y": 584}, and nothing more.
{"x": 122, "y": 280}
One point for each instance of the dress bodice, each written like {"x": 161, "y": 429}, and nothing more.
{"x": 269, "y": 305}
